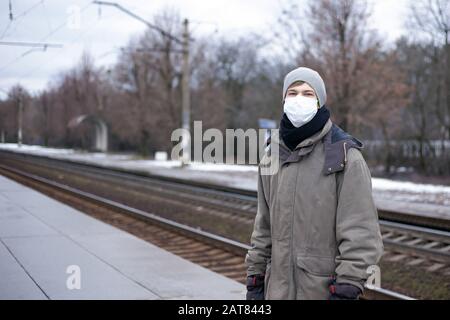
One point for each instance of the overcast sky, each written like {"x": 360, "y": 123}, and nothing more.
{"x": 102, "y": 34}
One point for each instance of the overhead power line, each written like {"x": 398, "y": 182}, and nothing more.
{"x": 150, "y": 25}
{"x": 30, "y": 44}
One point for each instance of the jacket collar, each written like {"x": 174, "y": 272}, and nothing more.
{"x": 336, "y": 142}
{"x": 308, "y": 141}
{"x": 303, "y": 148}
{"x": 315, "y": 137}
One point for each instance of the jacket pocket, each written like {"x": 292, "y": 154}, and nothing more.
{"x": 312, "y": 276}
{"x": 317, "y": 265}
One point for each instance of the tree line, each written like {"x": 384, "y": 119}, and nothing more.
{"x": 386, "y": 94}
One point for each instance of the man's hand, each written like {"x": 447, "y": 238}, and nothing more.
{"x": 255, "y": 287}
{"x": 343, "y": 291}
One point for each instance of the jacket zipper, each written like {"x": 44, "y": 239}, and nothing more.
{"x": 293, "y": 260}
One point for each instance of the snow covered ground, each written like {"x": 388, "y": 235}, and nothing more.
{"x": 241, "y": 176}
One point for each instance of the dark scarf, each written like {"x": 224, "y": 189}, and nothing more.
{"x": 292, "y": 136}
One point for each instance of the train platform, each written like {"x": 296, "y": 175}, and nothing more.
{"x": 49, "y": 250}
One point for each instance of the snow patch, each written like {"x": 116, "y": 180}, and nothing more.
{"x": 391, "y": 185}
{"x": 129, "y": 161}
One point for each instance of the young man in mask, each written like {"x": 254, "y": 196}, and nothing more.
{"x": 316, "y": 230}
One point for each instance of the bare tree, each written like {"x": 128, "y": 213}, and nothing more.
{"x": 9, "y": 112}
{"x": 337, "y": 41}
{"x": 431, "y": 21}
{"x": 149, "y": 73}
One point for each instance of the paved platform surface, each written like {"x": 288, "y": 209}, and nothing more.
{"x": 47, "y": 249}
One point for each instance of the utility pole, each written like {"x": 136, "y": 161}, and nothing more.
{"x": 3, "y": 131}
{"x": 186, "y": 96}
{"x": 19, "y": 119}
{"x": 185, "y": 88}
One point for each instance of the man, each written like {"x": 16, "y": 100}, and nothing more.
{"x": 316, "y": 230}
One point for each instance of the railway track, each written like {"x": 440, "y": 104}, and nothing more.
{"x": 241, "y": 206}
{"x": 239, "y": 201}
{"x": 219, "y": 254}
{"x": 418, "y": 245}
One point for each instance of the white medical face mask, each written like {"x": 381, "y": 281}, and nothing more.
{"x": 300, "y": 110}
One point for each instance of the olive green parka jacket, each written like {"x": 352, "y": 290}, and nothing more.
{"x": 316, "y": 218}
